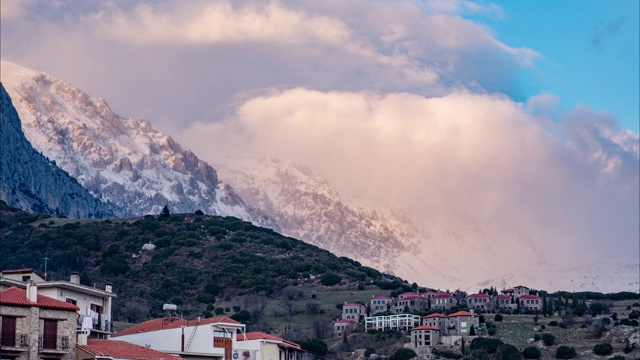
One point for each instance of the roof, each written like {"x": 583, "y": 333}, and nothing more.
{"x": 479, "y": 296}
{"x": 123, "y": 350}
{"x": 508, "y": 290}
{"x": 172, "y": 323}
{"x": 23, "y": 271}
{"x": 381, "y": 297}
{"x": 443, "y": 296}
{"x": 433, "y": 316}
{"x": 414, "y": 297}
{"x": 529, "y": 297}
{"x": 264, "y": 336}
{"x": 18, "y": 297}
{"x": 425, "y": 327}
{"x": 461, "y": 313}
{"x": 520, "y": 287}
{"x": 346, "y": 321}
{"x": 353, "y": 304}
{"x": 409, "y": 293}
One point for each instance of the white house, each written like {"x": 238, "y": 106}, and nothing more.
{"x": 267, "y": 347}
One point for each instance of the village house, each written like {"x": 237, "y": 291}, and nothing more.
{"x": 530, "y": 302}
{"x": 520, "y": 290}
{"x": 460, "y": 323}
{"x": 380, "y": 303}
{"x": 266, "y": 347}
{"x": 424, "y": 335}
{"x": 213, "y": 338}
{"x": 342, "y": 326}
{"x": 400, "y": 322}
{"x": 436, "y": 320}
{"x": 354, "y": 311}
{"x": 411, "y": 303}
{"x": 36, "y": 326}
{"x": 508, "y": 292}
{"x": 95, "y": 304}
{"x": 480, "y": 302}
{"x": 504, "y": 302}
{"x": 443, "y": 302}
{"x": 113, "y": 349}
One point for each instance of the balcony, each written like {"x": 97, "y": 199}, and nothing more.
{"x": 55, "y": 344}
{"x": 12, "y": 341}
{"x": 103, "y": 326}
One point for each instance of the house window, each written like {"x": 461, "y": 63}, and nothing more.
{"x": 72, "y": 301}
{"x": 50, "y": 336}
{"x": 26, "y": 278}
{"x": 8, "y": 331}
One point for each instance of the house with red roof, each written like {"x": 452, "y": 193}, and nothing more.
{"x": 380, "y": 303}
{"x": 480, "y": 301}
{"x": 94, "y": 303}
{"x": 443, "y": 302}
{"x": 266, "y": 347}
{"x": 342, "y": 326}
{"x": 520, "y": 290}
{"x": 113, "y": 349}
{"x": 410, "y": 303}
{"x": 208, "y": 338}
{"x": 460, "y": 323}
{"x": 354, "y": 311}
{"x": 424, "y": 335}
{"x": 436, "y": 320}
{"x": 36, "y": 326}
{"x": 530, "y": 303}
{"x": 504, "y": 302}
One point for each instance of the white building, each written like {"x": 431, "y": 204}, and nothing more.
{"x": 400, "y": 322}
{"x": 267, "y": 347}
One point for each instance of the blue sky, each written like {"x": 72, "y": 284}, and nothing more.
{"x": 590, "y": 51}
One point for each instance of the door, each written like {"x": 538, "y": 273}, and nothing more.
{"x": 50, "y": 335}
{"x": 8, "y": 331}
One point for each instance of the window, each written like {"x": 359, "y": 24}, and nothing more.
{"x": 72, "y": 301}
{"x": 50, "y": 336}
{"x": 8, "y": 331}
{"x": 26, "y": 278}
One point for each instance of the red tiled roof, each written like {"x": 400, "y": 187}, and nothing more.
{"x": 18, "y": 297}
{"x": 443, "y": 296}
{"x": 123, "y": 350}
{"x": 461, "y": 313}
{"x": 507, "y": 290}
{"x": 479, "y": 296}
{"x": 504, "y": 297}
{"x": 529, "y": 297}
{"x": 346, "y": 321}
{"x": 172, "y": 323}
{"x": 413, "y": 297}
{"x": 433, "y": 316}
{"x": 381, "y": 297}
{"x": 264, "y": 336}
{"x": 425, "y": 327}
{"x": 354, "y": 304}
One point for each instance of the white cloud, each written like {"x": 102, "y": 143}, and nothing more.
{"x": 14, "y": 8}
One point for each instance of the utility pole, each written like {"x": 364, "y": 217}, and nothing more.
{"x": 45, "y": 267}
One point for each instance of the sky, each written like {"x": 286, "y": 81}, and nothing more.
{"x": 522, "y": 116}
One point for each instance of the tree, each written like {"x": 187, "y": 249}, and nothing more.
{"x": 603, "y": 349}
{"x": 548, "y": 339}
{"x": 330, "y": 279}
{"x": 497, "y": 318}
{"x": 165, "y": 211}
{"x": 403, "y": 354}
{"x": 315, "y": 346}
{"x": 463, "y": 351}
{"x": 544, "y": 305}
{"x": 472, "y": 331}
{"x": 509, "y": 352}
{"x": 531, "y": 352}
{"x": 565, "y": 352}
{"x": 535, "y": 319}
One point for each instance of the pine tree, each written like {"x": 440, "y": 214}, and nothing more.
{"x": 165, "y": 211}
{"x": 544, "y": 305}
{"x": 462, "y": 349}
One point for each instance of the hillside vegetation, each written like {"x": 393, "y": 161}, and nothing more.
{"x": 198, "y": 260}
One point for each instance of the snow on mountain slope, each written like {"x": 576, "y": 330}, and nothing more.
{"x": 600, "y": 277}
{"x": 122, "y": 161}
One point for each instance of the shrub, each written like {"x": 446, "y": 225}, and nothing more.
{"x": 625, "y": 322}
{"x": 509, "y": 352}
{"x": 565, "y": 352}
{"x": 531, "y": 352}
{"x": 605, "y": 321}
{"x": 563, "y": 325}
{"x": 497, "y": 318}
{"x": 635, "y": 314}
{"x": 315, "y": 346}
{"x": 553, "y": 323}
{"x": 488, "y": 344}
{"x": 627, "y": 348}
{"x": 205, "y": 298}
{"x": 603, "y": 349}
{"x": 634, "y": 322}
{"x": 403, "y": 354}
{"x": 548, "y": 339}
{"x": 617, "y": 357}
{"x": 492, "y": 331}
{"x": 219, "y": 311}
{"x": 368, "y": 352}
{"x": 330, "y": 279}
{"x": 241, "y": 316}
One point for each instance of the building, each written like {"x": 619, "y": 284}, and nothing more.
{"x": 400, "y": 322}
{"x": 354, "y": 311}
{"x": 424, "y": 336}
{"x": 520, "y": 290}
{"x": 504, "y": 302}
{"x": 530, "y": 303}
{"x": 436, "y": 320}
{"x": 213, "y": 338}
{"x": 460, "y": 323}
{"x": 443, "y": 302}
{"x": 380, "y": 303}
{"x": 342, "y": 326}
{"x": 480, "y": 302}
{"x": 508, "y": 292}
{"x": 93, "y": 303}
{"x": 36, "y": 326}
{"x": 113, "y": 349}
{"x": 267, "y": 347}
{"x": 411, "y": 303}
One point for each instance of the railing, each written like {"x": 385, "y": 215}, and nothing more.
{"x": 106, "y": 326}
{"x": 18, "y": 340}
{"x": 54, "y": 342}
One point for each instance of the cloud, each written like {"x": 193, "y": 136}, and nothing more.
{"x": 10, "y": 9}
{"x": 453, "y": 160}
{"x": 607, "y": 30}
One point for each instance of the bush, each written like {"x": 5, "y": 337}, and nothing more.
{"x": 492, "y": 331}
{"x": 315, "y": 346}
{"x": 553, "y": 323}
{"x": 531, "y": 352}
{"x": 497, "y": 318}
{"x": 509, "y": 352}
{"x": 605, "y": 321}
{"x": 634, "y": 322}
{"x": 403, "y": 354}
{"x": 603, "y": 349}
{"x": 627, "y": 348}
{"x": 625, "y": 322}
{"x": 562, "y": 325}
{"x": 241, "y": 316}
{"x": 488, "y": 344}
{"x": 565, "y": 352}
{"x": 330, "y": 279}
{"x": 219, "y": 311}
{"x": 548, "y": 339}
{"x": 617, "y": 357}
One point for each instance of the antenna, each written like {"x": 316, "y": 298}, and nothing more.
{"x": 45, "y": 267}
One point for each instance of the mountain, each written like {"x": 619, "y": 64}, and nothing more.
{"x": 31, "y": 182}
{"x": 122, "y": 161}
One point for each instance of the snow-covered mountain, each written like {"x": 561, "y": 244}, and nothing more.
{"x": 122, "y": 161}
{"x": 601, "y": 277}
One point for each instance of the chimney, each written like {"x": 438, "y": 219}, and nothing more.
{"x": 108, "y": 288}
{"x": 75, "y": 278}
{"x": 32, "y": 291}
